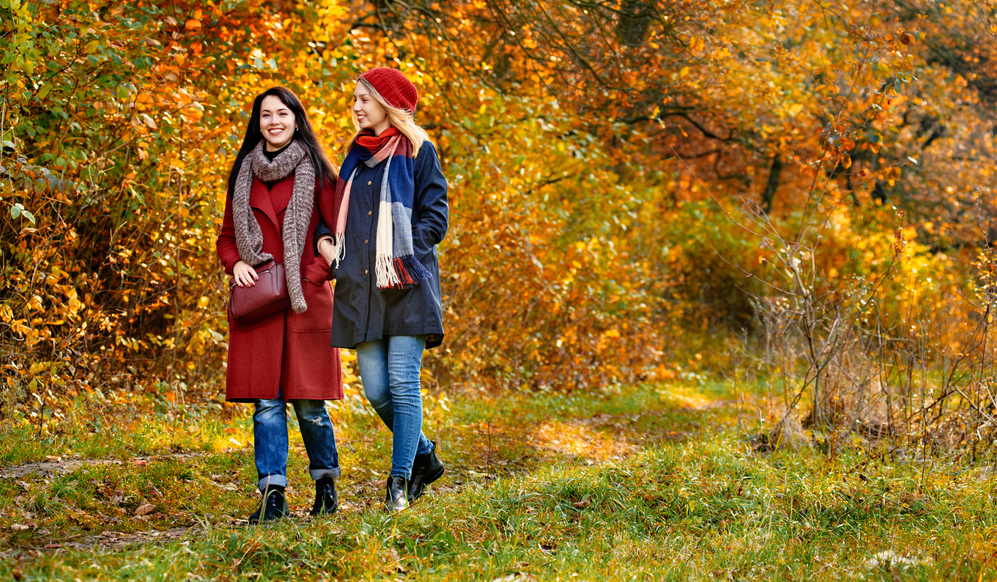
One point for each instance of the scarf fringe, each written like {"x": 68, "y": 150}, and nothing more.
{"x": 399, "y": 272}
{"x": 414, "y": 269}
{"x": 386, "y": 276}
{"x": 338, "y": 249}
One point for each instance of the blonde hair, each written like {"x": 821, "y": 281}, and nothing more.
{"x": 400, "y": 119}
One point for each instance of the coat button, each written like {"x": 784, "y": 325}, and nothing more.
{"x": 365, "y": 271}
{"x": 368, "y": 183}
{"x": 365, "y": 241}
{"x": 368, "y": 213}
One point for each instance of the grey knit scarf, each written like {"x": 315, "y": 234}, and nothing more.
{"x": 249, "y": 237}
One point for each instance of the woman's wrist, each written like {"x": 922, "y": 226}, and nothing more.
{"x": 326, "y": 251}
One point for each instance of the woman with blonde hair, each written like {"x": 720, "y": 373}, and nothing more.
{"x": 388, "y": 214}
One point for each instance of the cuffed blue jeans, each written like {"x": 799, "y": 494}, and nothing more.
{"x": 270, "y": 440}
{"x": 389, "y": 369}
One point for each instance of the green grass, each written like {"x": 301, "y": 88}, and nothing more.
{"x": 646, "y": 483}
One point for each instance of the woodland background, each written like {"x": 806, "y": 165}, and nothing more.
{"x": 795, "y": 193}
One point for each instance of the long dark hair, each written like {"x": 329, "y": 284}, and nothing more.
{"x": 324, "y": 174}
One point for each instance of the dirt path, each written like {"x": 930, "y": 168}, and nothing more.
{"x": 107, "y": 540}
{"x": 43, "y": 541}
{"x": 59, "y": 466}
{"x": 594, "y": 439}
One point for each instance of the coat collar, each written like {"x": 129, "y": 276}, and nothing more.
{"x": 261, "y": 199}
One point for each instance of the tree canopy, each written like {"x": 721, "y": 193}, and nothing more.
{"x": 629, "y": 178}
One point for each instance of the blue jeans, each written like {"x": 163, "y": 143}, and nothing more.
{"x": 270, "y": 436}
{"x": 389, "y": 369}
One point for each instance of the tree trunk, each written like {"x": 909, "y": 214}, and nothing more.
{"x": 775, "y": 171}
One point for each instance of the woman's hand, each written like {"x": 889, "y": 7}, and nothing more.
{"x": 327, "y": 249}
{"x": 245, "y": 276}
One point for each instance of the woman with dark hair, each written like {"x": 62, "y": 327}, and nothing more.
{"x": 271, "y": 214}
{"x": 387, "y": 216}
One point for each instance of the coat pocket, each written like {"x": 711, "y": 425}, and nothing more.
{"x": 318, "y": 316}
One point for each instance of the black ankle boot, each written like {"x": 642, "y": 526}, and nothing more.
{"x": 426, "y": 469}
{"x": 272, "y": 507}
{"x": 396, "y": 498}
{"x": 326, "y": 498}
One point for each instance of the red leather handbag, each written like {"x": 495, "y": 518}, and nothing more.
{"x": 248, "y": 305}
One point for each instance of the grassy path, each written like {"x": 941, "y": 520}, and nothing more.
{"x": 651, "y": 483}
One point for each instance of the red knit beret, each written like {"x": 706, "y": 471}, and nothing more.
{"x": 392, "y": 84}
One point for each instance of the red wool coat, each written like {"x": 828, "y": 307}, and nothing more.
{"x": 287, "y": 350}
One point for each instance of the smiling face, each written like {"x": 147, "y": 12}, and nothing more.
{"x": 277, "y": 123}
{"x": 370, "y": 114}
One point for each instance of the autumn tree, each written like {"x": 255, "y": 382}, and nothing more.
{"x": 601, "y": 157}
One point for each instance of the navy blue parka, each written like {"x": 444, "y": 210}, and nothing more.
{"x": 361, "y": 312}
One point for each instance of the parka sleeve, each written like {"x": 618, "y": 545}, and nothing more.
{"x": 325, "y": 203}
{"x": 431, "y": 201}
{"x": 322, "y": 203}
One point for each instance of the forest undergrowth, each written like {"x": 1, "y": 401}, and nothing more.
{"x": 652, "y": 482}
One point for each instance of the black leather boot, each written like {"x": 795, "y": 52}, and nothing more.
{"x": 426, "y": 469}
{"x": 326, "y": 498}
{"x": 396, "y": 498}
{"x": 272, "y": 507}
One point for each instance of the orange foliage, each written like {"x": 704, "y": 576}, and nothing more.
{"x": 590, "y": 149}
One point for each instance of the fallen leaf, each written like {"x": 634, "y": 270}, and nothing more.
{"x": 19, "y": 527}
{"x": 889, "y": 558}
{"x": 397, "y": 561}
{"x": 145, "y": 509}
{"x": 583, "y": 503}
{"x": 250, "y": 547}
